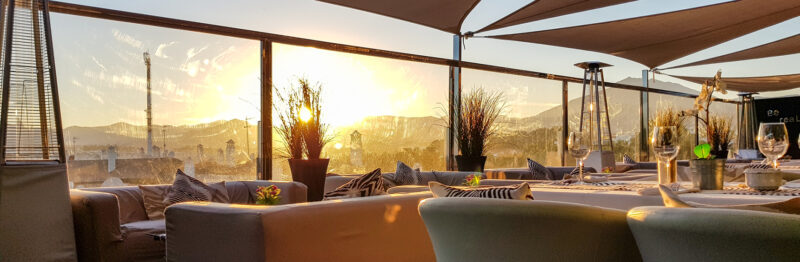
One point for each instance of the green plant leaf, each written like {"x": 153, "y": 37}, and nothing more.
{"x": 702, "y": 151}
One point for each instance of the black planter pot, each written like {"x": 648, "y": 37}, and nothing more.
{"x": 720, "y": 154}
{"x": 470, "y": 164}
{"x": 310, "y": 172}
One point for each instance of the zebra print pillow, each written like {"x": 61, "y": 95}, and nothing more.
{"x": 538, "y": 171}
{"x": 575, "y": 172}
{"x": 370, "y": 184}
{"x": 519, "y": 192}
{"x": 186, "y": 188}
{"x": 628, "y": 160}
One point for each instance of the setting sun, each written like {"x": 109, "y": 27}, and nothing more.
{"x": 305, "y": 114}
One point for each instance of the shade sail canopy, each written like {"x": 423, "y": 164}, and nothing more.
{"x": 752, "y": 84}
{"x": 657, "y": 39}
{"x": 543, "y": 9}
{"x": 786, "y": 46}
{"x": 445, "y": 15}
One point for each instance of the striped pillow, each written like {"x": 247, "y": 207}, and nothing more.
{"x": 370, "y": 184}
{"x": 538, "y": 171}
{"x": 186, "y": 188}
{"x": 519, "y": 192}
{"x": 628, "y": 160}
{"x": 575, "y": 172}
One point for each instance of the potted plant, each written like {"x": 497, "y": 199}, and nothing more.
{"x": 720, "y": 135}
{"x": 476, "y": 118}
{"x": 708, "y": 170}
{"x": 304, "y": 136}
{"x": 714, "y": 132}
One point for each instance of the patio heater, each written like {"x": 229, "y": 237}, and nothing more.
{"x": 35, "y": 213}
{"x": 745, "y": 143}
{"x": 594, "y": 116}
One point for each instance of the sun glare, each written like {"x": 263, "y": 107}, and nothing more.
{"x": 305, "y": 114}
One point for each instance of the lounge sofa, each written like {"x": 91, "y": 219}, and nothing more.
{"x": 444, "y": 177}
{"x": 378, "y": 228}
{"x": 111, "y": 223}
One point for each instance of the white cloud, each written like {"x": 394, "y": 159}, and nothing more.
{"x": 160, "y": 50}
{"x": 125, "y": 38}
{"x": 91, "y": 91}
{"x": 98, "y": 63}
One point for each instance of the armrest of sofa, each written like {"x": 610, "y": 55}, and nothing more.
{"x": 96, "y": 220}
{"x": 207, "y": 231}
{"x": 335, "y": 230}
{"x": 291, "y": 192}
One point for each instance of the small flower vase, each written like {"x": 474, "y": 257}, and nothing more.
{"x": 668, "y": 174}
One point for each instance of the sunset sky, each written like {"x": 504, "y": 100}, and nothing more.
{"x": 200, "y": 78}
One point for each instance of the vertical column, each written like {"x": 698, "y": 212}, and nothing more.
{"x": 62, "y": 157}
{"x": 562, "y": 146}
{"x": 644, "y": 115}
{"x": 265, "y": 159}
{"x": 9, "y": 12}
{"x": 454, "y": 101}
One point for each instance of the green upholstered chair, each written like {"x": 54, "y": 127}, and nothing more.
{"x": 708, "y": 234}
{"x": 477, "y": 229}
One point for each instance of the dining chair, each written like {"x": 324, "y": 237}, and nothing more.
{"x": 709, "y": 234}
{"x": 479, "y": 229}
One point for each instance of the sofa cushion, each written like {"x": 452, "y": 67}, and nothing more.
{"x": 521, "y": 191}
{"x": 154, "y": 200}
{"x": 129, "y": 198}
{"x": 139, "y": 244}
{"x": 370, "y": 184}
{"x": 238, "y": 192}
{"x": 539, "y": 171}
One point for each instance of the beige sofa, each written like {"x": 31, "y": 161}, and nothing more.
{"x": 111, "y": 223}
{"x": 379, "y": 228}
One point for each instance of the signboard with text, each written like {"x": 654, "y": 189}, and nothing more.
{"x": 786, "y": 110}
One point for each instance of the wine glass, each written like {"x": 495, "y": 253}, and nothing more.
{"x": 579, "y": 147}
{"x": 665, "y": 143}
{"x": 773, "y": 141}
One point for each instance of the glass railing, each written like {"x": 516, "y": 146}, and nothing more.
{"x": 206, "y": 106}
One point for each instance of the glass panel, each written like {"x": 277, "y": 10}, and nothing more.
{"x": 677, "y": 103}
{"x": 205, "y": 103}
{"x": 530, "y": 126}
{"x": 623, "y": 113}
{"x": 379, "y": 110}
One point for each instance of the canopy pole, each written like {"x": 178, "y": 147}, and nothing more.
{"x": 644, "y": 115}
{"x": 454, "y": 101}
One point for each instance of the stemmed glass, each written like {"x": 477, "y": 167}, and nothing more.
{"x": 773, "y": 141}
{"x": 665, "y": 143}
{"x": 579, "y": 147}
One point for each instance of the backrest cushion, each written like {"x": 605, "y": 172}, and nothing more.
{"x": 131, "y": 204}
{"x": 154, "y": 200}
{"x": 238, "y": 192}
{"x": 521, "y": 191}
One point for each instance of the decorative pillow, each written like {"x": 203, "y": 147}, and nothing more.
{"x": 187, "y": 188}
{"x": 538, "y": 171}
{"x": 154, "y": 201}
{"x": 628, "y": 160}
{"x": 791, "y": 206}
{"x": 370, "y": 184}
{"x": 575, "y": 172}
{"x": 519, "y": 192}
{"x": 405, "y": 175}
